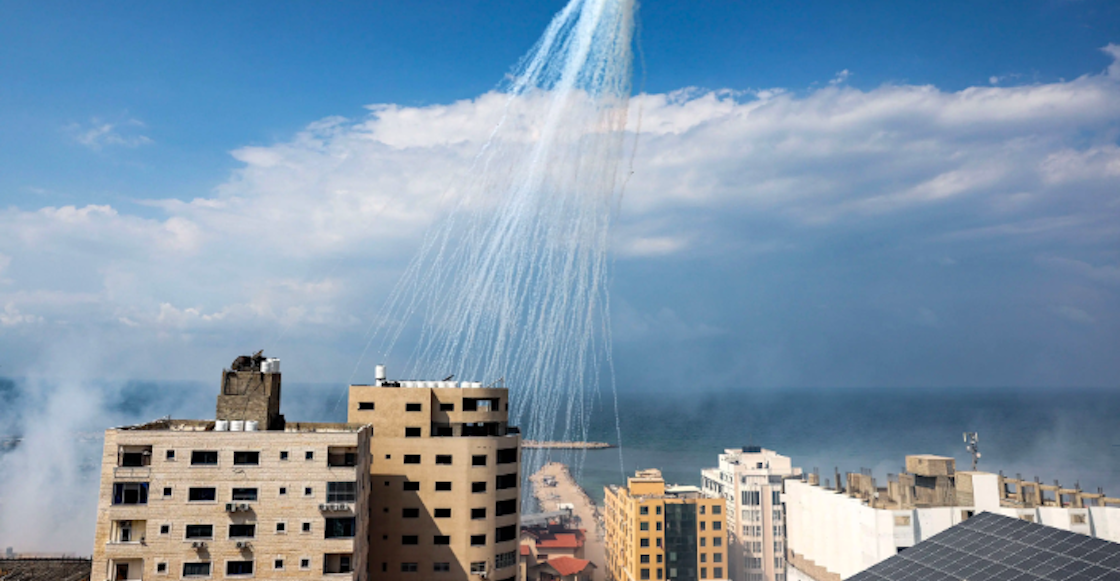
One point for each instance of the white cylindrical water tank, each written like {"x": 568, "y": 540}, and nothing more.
{"x": 379, "y": 372}
{"x": 251, "y": 425}
{"x": 221, "y": 426}
{"x": 237, "y": 425}
{"x": 271, "y": 365}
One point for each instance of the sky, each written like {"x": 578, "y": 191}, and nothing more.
{"x": 899, "y": 194}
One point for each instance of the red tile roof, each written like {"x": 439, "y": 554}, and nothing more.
{"x": 566, "y": 565}
{"x": 525, "y": 551}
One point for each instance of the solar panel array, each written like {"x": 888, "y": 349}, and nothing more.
{"x": 992, "y": 547}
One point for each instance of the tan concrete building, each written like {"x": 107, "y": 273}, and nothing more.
{"x": 245, "y": 495}
{"x": 654, "y": 531}
{"x": 445, "y": 479}
{"x": 750, "y": 480}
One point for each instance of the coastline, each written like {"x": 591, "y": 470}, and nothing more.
{"x": 566, "y": 445}
{"x": 566, "y": 490}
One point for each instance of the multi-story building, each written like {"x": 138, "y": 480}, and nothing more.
{"x": 750, "y": 480}
{"x": 445, "y": 478}
{"x": 245, "y": 495}
{"x": 834, "y": 533}
{"x": 654, "y": 531}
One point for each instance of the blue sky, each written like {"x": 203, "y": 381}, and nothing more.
{"x": 874, "y": 193}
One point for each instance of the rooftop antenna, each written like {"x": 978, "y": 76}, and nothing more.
{"x": 972, "y": 439}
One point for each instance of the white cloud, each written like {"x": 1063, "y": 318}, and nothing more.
{"x": 97, "y": 134}
{"x": 11, "y": 317}
{"x": 1076, "y": 315}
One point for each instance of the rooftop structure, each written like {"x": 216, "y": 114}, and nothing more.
{"x": 654, "y": 531}
{"x": 750, "y": 480}
{"x": 836, "y": 532}
{"x": 44, "y": 569}
{"x": 990, "y": 547}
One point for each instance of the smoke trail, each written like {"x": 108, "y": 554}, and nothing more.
{"x": 513, "y": 283}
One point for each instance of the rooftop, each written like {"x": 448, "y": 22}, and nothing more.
{"x": 173, "y": 425}
{"x": 45, "y": 569}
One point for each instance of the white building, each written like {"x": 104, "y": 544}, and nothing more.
{"x": 833, "y": 534}
{"x": 751, "y": 480}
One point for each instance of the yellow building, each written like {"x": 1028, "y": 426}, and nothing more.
{"x": 657, "y": 532}
{"x": 445, "y": 479}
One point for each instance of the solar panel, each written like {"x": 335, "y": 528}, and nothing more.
{"x": 992, "y": 547}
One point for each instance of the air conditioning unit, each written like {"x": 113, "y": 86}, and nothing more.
{"x": 324, "y": 507}
{"x": 244, "y": 506}
{"x": 340, "y": 506}
{"x": 198, "y": 544}
{"x": 231, "y": 507}
{"x": 244, "y": 545}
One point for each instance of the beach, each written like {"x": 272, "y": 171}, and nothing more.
{"x": 566, "y": 491}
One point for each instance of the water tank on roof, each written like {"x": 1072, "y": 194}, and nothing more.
{"x": 271, "y": 365}
{"x": 221, "y": 426}
{"x": 251, "y": 425}
{"x": 379, "y": 372}
{"x": 237, "y": 425}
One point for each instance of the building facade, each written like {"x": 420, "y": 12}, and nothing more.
{"x": 750, "y": 480}
{"x": 654, "y": 531}
{"x": 245, "y": 495}
{"x": 834, "y": 533}
{"x": 445, "y": 474}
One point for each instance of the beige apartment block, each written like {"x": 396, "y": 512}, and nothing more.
{"x": 445, "y": 479}
{"x": 233, "y": 498}
{"x": 750, "y": 480}
{"x": 654, "y": 531}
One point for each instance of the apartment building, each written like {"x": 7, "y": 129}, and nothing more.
{"x": 654, "y": 531}
{"x": 245, "y": 495}
{"x": 836, "y": 532}
{"x": 445, "y": 479}
{"x": 750, "y": 480}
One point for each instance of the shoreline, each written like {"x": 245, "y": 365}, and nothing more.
{"x": 566, "y": 490}
{"x": 534, "y": 444}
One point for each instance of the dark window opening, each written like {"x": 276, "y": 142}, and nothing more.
{"x": 365, "y": 405}
{"x": 242, "y": 531}
{"x": 443, "y": 459}
{"x": 410, "y": 540}
{"x": 339, "y": 528}
{"x": 130, "y": 493}
{"x": 507, "y": 456}
{"x": 507, "y": 533}
{"x": 244, "y": 494}
{"x": 338, "y": 563}
{"x": 342, "y": 457}
{"x": 504, "y": 507}
{"x": 443, "y": 513}
{"x": 477, "y": 513}
{"x": 411, "y": 485}
{"x": 246, "y": 458}
{"x": 410, "y": 513}
{"x": 478, "y": 487}
{"x": 441, "y": 540}
{"x": 196, "y": 569}
{"x": 504, "y": 481}
{"x": 478, "y": 460}
{"x": 239, "y": 567}
{"x": 443, "y": 486}
{"x": 204, "y": 457}
{"x": 446, "y": 407}
{"x": 412, "y": 432}
{"x": 342, "y": 492}
{"x": 413, "y": 407}
{"x": 478, "y": 540}
{"x": 411, "y": 458}
{"x": 200, "y": 531}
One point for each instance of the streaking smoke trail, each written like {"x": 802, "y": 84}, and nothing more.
{"x": 513, "y": 283}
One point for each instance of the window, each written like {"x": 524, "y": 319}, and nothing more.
{"x": 342, "y": 492}
{"x": 244, "y": 494}
{"x": 703, "y": 509}
{"x": 645, "y": 573}
{"x": 718, "y": 572}
{"x": 130, "y": 493}
{"x": 479, "y": 460}
{"x": 703, "y": 525}
{"x": 196, "y": 569}
{"x": 441, "y": 540}
{"x": 478, "y": 567}
{"x": 308, "y": 491}
{"x": 305, "y": 563}
{"x": 703, "y": 541}
{"x": 477, "y": 513}
{"x": 506, "y": 533}
{"x": 717, "y": 509}
{"x": 408, "y": 567}
{"x": 717, "y": 557}
{"x": 441, "y": 567}
{"x": 717, "y": 542}
{"x": 478, "y": 541}
{"x": 246, "y": 458}
{"x": 306, "y": 527}
{"x": 339, "y": 456}
{"x": 170, "y": 456}
{"x": 751, "y": 498}
{"x": 410, "y": 540}
{"x": 242, "y": 531}
{"x": 659, "y": 573}
{"x": 161, "y": 568}
{"x": 411, "y": 485}
{"x": 413, "y": 407}
{"x": 365, "y": 405}
{"x": 478, "y": 487}
{"x": 644, "y": 526}
{"x": 239, "y": 567}
{"x": 284, "y": 455}
{"x": 338, "y": 563}
{"x": 717, "y": 525}
{"x": 164, "y": 529}
{"x": 411, "y": 458}
{"x": 645, "y": 559}
{"x": 443, "y": 486}
{"x": 443, "y": 513}
{"x": 443, "y": 459}
{"x": 643, "y": 510}
{"x": 507, "y": 456}
{"x": 658, "y": 525}
{"x": 204, "y": 458}
{"x": 278, "y": 564}
{"x": 644, "y": 542}
{"x": 202, "y": 494}
{"x": 283, "y": 490}
{"x": 446, "y": 407}
{"x": 167, "y": 491}
{"x": 412, "y": 432}
{"x": 339, "y": 528}
{"x": 281, "y": 527}
{"x": 410, "y": 513}
{"x": 504, "y": 481}
{"x": 657, "y": 510}
{"x": 504, "y": 560}
{"x": 309, "y": 455}
{"x": 703, "y": 572}
{"x": 703, "y": 557}
{"x": 200, "y": 531}
{"x": 504, "y": 507}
